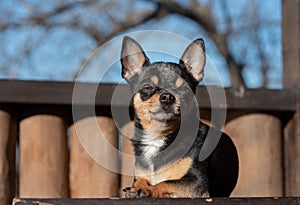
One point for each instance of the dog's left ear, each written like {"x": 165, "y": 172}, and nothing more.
{"x": 133, "y": 58}
{"x": 194, "y": 59}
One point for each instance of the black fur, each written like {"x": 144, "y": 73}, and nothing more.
{"x": 216, "y": 175}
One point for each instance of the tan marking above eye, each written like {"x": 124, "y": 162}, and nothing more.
{"x": 179, "y": 82}
{"x": 154, "y": 79}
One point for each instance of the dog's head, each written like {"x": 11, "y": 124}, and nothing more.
{"x": 163, "y": 92}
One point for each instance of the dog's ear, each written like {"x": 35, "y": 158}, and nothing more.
{"x": 133, "y": 58}
{"x": 194, "y": 58}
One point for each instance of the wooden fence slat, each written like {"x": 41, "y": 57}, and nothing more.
{"x": 7, "y": 157}
{"x": 290, "y": 42}
{"x": 291, "y": 79}
{"x": 291, "y": 156}
{"x": 258, "y": 141}
{"x": 43, "y": 157}
{"x": 127, "y": 164}
{"x": 88, "y": 179}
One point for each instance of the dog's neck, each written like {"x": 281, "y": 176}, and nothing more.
{"x": 149, "y": 144}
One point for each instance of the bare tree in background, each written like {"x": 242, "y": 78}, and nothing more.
{"x": 102, "y": 20}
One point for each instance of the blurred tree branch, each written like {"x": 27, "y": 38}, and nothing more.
{"x": 204, "y": 18}
{"x": 193, "y": 10}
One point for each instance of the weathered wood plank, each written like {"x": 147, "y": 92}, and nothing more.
{"x": 94, "y": 143}
{"x": 149, "y": 201}
{"x": 43, "y": 157}
{"x": 291, "y": 79}
{"x": 8, "y": 136}
{"x": 62, "y": 93}
{"x": 258, "y": 141}
{"x": 127, "y": 157}
{"x": 290, "y": 42}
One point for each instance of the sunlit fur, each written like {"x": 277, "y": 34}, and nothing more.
{"x": 164, "y": 111}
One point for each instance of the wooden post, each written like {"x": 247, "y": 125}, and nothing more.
{"x": 43, "y": 157}
{"x": 291, "y": 156}
{"x": 94, "y": 143}
{"x": 7, "y": 157}
{"x": 127, "y": 157}
{"x": 291, "y": 79}
{"x": 258, "y": 141}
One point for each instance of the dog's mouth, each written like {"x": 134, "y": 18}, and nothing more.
{"x": 164, "y": 113}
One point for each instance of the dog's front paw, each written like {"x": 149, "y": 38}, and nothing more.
{"x": 138, "y": 190}
{"x": 134, "y": 192}
{"x": 149, "y": 191}
{"x": 142, "y": 188}
{"x": 158, "y": 192}
{"x": 130, "y": 192}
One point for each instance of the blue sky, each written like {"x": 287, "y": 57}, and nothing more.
{"x": 61, "y": 51}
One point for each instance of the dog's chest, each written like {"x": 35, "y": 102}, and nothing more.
{"x": 151, "y": 147}
{"x": 170, "y": 171}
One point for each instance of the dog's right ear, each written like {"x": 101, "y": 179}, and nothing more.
{"x": 194, "y": 59}
{"x": 133, "y": 58}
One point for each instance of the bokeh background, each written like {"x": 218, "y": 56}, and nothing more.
{"x": 50, "y": 40}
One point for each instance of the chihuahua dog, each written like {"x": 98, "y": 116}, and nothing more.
{"x": 168, "y": 134}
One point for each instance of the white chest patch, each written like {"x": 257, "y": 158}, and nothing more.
{"x": 152, "y": 147}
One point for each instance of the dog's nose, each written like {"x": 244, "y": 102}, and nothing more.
{"x": 167, "y": 98}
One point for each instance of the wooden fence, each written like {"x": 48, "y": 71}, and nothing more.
{"x": 36, "y": 120}
{"x": 38, "y": 115}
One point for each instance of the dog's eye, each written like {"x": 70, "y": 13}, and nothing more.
{"x": 148, "y": 87}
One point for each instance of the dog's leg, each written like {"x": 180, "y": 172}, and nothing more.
{"x": 139, "y": 189}
{"x": 161, "y": 190}
{"x": 166, "y": 189}
{"x": 142, "y": 188}
{"x": 175, "y": 189}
